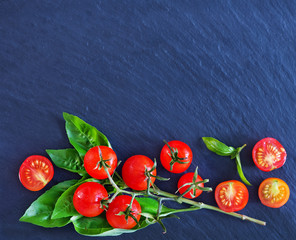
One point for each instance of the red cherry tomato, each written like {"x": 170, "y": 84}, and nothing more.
{"x": 231, "y": 196}
{"x": 133, "y": 172}
{"x": 176, "y": 157}
{"x": 35, "y": 172}
{"x": 188, "y": 178}
{"x": 118, "y": 205}
{"x": 92, "y": 161}
{"x": 273, "y": 192}
{"x": 87, "y": 199}
{"x": 269, "y": 154}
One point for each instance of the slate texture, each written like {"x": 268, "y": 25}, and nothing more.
{"x": 141, "y": 72}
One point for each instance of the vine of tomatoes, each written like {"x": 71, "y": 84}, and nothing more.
{"x": 105, "y": 203}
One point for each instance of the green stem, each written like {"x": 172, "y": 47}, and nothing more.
{"x": 239, "y": 168}
{"x": 198, "y": 205}
{"x": 201, "y": 205}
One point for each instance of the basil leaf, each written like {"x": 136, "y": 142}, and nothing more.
{"x": 40, "y": 211}
{"x": 68, "y": 159}
{"x": 150, "y": 206}
{"x": 218, "y": 147}
{"x": 64, "y": 206}
{"x": 82, "y": 135}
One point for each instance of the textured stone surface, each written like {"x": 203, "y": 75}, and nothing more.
{"x": 143, "y": 71}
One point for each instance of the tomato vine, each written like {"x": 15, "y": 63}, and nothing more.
{"x": 55, "y": 208}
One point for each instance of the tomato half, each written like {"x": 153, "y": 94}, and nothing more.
{"x": 176, "y": 156}
{"x": 120, "y": 204}
{"x": 35, "y": 172}
{"x": 87, "y": 199}
{"x": 188, "y": 178}
{"x": 273, "y": 192}
{"x": 268, "y": 154}
{"x": 133, "y": 172}
{"x": 231, "y": 196}
{"x": 93, "y": 161}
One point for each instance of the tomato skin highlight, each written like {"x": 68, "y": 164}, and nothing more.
{"x": 188, "y": 178}
{"x": 92, "y": 159}
{"x": 231, "y": 196}
{"x": 133, "y": 172}
{"x": 87, "y": 199}
{"x": 273, "y": 192}
{"x": 268, "y": 154}
{"x": 184, "y": 151}
{"x": 120, "y": 204}
{"x": 36, "y": 172}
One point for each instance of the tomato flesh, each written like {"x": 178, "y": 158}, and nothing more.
{"x": 36, "y": 172}
{"x": 268, "y": 154}
{"x": 87, "y": 199}
{"x": 120, "y": 204}
{"x": 188, "y": 178}
{"x": 273, "y": 192}
{"x": 183, "y": 152}
{"x": 92, "y": 161}
{"x": 231, "y": 196}
{"x": 133, "y": 172}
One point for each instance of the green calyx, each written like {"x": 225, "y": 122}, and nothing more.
{"x": 174, "y": 156}
{"x": 194, "y": 185}
{"x": 129, "y": 212}
{"x": 102, "y": 162}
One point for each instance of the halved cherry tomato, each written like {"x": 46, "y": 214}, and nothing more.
{"x": 87, "y": 199}
{"x": 117, "y": 207}
{"x": 269, "y": 154}
{"x": 188, "y": 178}
{"x": 231, "y": 196}
{"x": 93, "y": 161}
{"x": 133, "y": 172}
{"x": 35, "y": 172}
{"x": 273, "y": 192}
{"x": 176, "y": 156}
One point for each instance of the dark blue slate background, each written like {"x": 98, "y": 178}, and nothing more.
{"x": 143, "y": 71}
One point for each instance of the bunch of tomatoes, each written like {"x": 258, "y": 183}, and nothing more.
{"x": 139, "y": 173}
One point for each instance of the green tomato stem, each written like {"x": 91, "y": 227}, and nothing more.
{"x": 201, "y": 205}
{"x": 198, "y": 205}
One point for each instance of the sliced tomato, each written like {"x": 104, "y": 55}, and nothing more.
{"x": 274, "y": 192}
{"x": 35, "y": 172}
{"x": 231, "y": 196}
{"x": 269, "y": 154}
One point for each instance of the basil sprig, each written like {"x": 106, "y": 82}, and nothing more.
{"x": 222, "y": 149}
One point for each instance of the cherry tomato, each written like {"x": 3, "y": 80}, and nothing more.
{"x": 273, "y": 192}
{"x": 176, "y": 156}
{"x": 188, "y": 178}
{"x": 269, "y": 154}
{"x": 133, "y": 172}
{"x": 87, "y": 199}
{"x": 35, "y": 172}
{"x": 118, "y": 205}
{"x": 93, "y": 161}
{"x": 231, "y": 196}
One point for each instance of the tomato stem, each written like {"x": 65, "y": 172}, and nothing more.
{"x": 201, "y": 205}
{"x": 155, "y": 192}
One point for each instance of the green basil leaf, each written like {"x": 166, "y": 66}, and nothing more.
{"x": 68, "y": 159}
{"x": 218, "y": 147}
{"x": 150, "y": 206}
{"x": 64, "y": 206}
{"x": 40, "y": 211}
{"x": 82, "y": 135}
